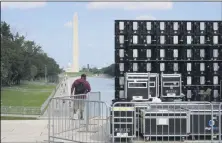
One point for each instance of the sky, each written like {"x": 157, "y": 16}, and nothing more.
{"x": 49, "y": 24}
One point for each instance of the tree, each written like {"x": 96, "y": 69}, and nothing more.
{"x": 22, "y": 59}
{"x": 33, "y": 71}
{"x": 110, "y": 70}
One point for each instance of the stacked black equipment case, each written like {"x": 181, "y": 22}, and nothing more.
{"x": 221, "y": 90}
{"x": 167, "y": 122}
{"x": 191, "y": 48}
{"x": 136, "y": 86}
{"x": 171, "y": 85}
{"x": 203, "y": 120}
{"x": 122, "y": 121}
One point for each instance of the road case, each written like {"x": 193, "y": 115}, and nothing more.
{"x": 141, "y": 86}
{"x": 203, "y": 120}
{"x": 122, "y": 121}
{"x": 171, "y": 85}
{"x": 138, "y": 107}
{"x": 170, "y": 46}
{"x": 164, "y": 123}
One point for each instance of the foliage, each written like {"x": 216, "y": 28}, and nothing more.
{"x": 110, "y": 70}
{"x": 22, "y": 59}
{"x": 93, "y": 70}
{"x": 78, "y": 74}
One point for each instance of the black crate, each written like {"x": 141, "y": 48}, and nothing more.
{"x": 197, "y": 26}
{"x": 220, "y": 53}
{"x": 149, "y": 66}
{"x": 169, "y": 68}
{"x": 210, "y": 29}
{"x": 190, "y": 25}
{"x": 221, "y": 92}
{"x": 119, "y": 82}
{"x": 209, "y": 47}
{"x": 119, "y": 88}
{"x": 216, "y": 93}
{"x": 142, "y": 54}
{"x": 137, "y": 67}
{"x": 176, "y": 30}
{"x": 134, "y": 92}
{"x": 127, "y": 114}
{"x": 122, "y": 125}
{"x": 162, "y": 30}
{"x": 200, "y": 68}
{"x": 121, "y": 68}
{"x": 120, "y": 55}
{"x": 200, "y": 54}
{"x": 220, "y": 28}
{"x": 136, "y": 54}
{"x": 119, "y": 93}
{"x": 220, "y": 39}
{"x": 170, "y": 84}
{"x": 182, "y": 27}
{"x": 122, "y": 128}
{"x": 117, "y": 27}
{"x": 148, "y": 30}
{"x": 199, "y": 39}
{"x": 150, "y": 124}
{"x": 136, "y": 39}
{"x": 200, "y": 122}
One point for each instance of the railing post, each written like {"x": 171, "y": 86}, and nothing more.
{"x": 49, "y": 123}
{"x": 99, "y": 104}
{"x": 220, "y": 121}
{"x": 87, "y": 112}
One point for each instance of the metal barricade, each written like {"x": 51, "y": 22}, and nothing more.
{"x": 220, "y": 122}
{"x": 66, "y": 124}
{"x": 165, "y": 122}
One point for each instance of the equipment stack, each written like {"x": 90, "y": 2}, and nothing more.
{"x": 169, "y": 60}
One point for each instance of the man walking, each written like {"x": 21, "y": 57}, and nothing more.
{"x": 80, "y": 88}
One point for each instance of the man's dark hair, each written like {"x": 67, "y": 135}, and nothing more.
{"x": 83, "y": 76}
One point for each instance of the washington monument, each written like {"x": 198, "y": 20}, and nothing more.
{"x": 75, "y": 65}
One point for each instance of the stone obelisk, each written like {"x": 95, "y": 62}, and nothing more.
{"x": 75, "y": 44}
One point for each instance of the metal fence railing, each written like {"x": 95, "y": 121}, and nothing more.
{"x": 91, "y": 110}
{"x": 135, "y": 122}
{"x": 65, "y": 124}
{"x": 166, "y": 122}
{"x": 220, "y": 121}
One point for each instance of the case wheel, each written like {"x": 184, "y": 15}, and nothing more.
{"x": 147, "y": 138}
{"x": 182, "y": 139}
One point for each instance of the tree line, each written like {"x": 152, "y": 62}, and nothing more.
{"x": 93, "y": 70}
{"x": 23, "y": 59}
{"x": 106, "y": 70}
{"x": 110, "y": 70}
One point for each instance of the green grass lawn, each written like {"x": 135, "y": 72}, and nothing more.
{"x": 73, "y": 74}
{"x": 32, "y": 95}
{"x": 17, "y": 118}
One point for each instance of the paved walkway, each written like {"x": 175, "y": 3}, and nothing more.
{"x": 24, "y": 131}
